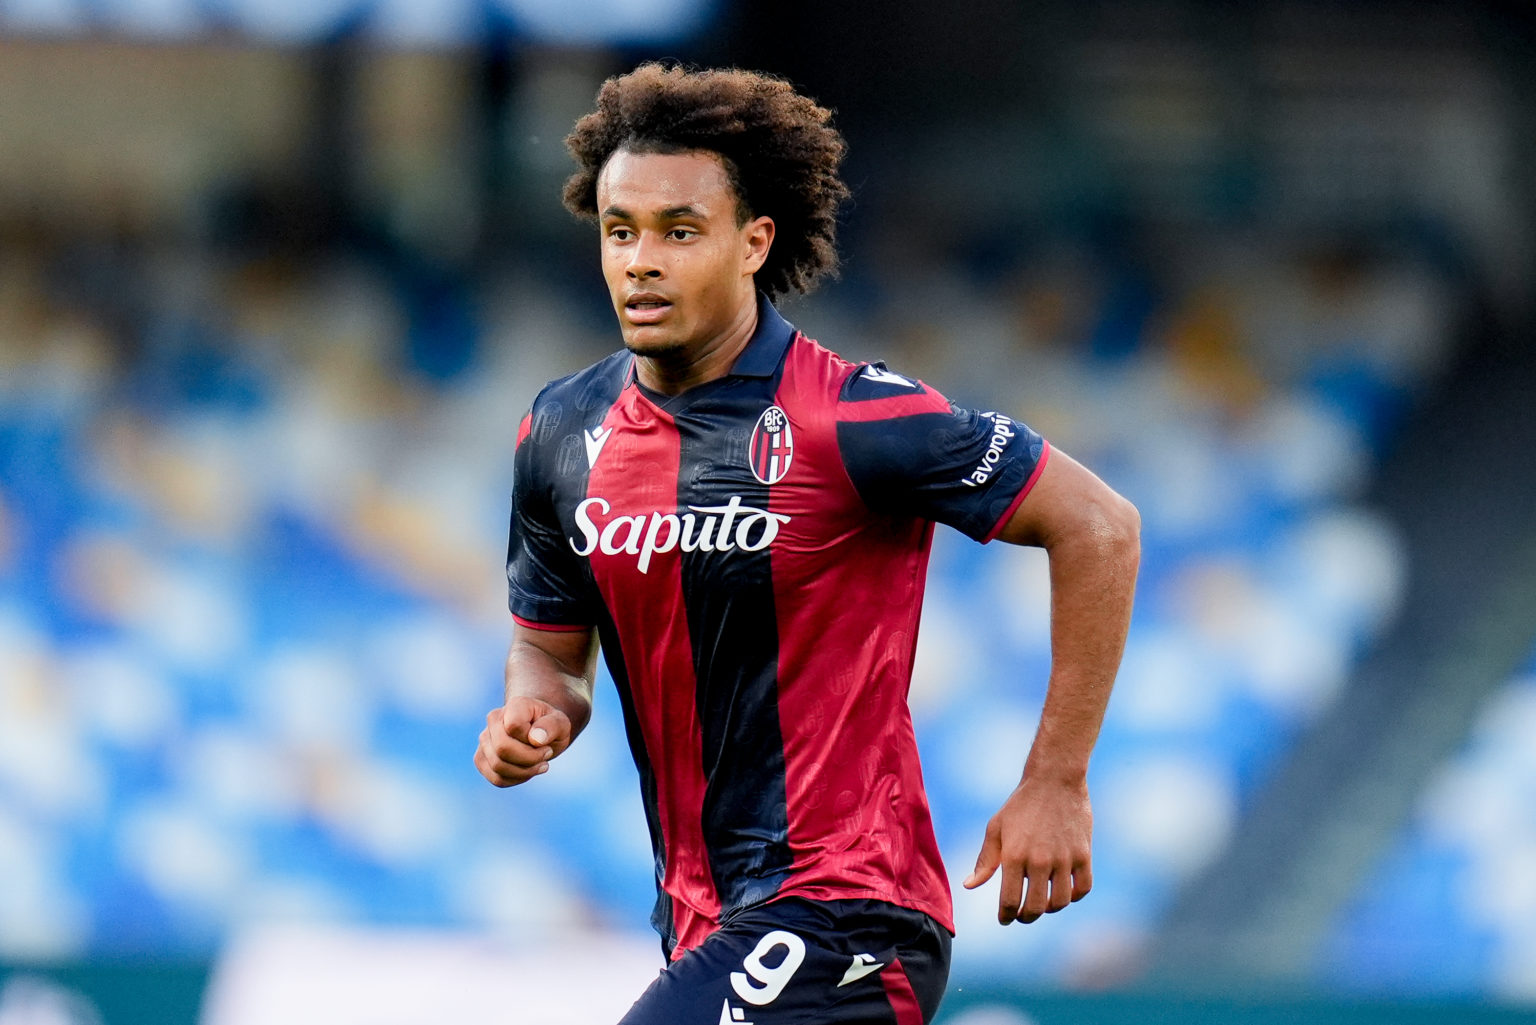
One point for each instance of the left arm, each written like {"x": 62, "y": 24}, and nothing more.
{"x": 1043, "y": 833}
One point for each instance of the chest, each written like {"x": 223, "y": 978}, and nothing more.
{"x": 716, "y": 490}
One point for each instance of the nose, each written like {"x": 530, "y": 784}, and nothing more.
{"x": 643, "y": 264}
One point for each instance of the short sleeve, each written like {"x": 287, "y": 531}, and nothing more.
{"x": 909, "y": 451}
{"x": 549, "y": 586}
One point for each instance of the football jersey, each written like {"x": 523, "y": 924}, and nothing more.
{"x": 752, "y": 553}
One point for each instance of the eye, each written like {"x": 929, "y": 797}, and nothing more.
{"x": 681, "y": 234}
{"x": 620, "y": 234}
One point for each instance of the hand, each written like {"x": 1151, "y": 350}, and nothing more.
{"x": 519, "y": 739}
{"x": 1043, "y": 833}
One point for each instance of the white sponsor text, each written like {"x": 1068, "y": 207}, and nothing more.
{"x": 704, "y": 528}
{"x": 1002, "y": 433}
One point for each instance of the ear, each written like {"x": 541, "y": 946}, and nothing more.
{"x": 758, "y": 236}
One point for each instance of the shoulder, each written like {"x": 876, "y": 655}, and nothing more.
{"x": 873, "y": 391}
{"x": 810, "y": 361}
{"x": 565, "y": 405}
{"x": 878, "y": 381}
{"x": 811, "y": 369}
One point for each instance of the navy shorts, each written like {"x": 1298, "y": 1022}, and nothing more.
{"x": 805, "y": 962}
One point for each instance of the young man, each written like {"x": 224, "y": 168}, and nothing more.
{"x": 744, "y": 519}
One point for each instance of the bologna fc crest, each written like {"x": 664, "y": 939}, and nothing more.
{"x": 772, "y": 446}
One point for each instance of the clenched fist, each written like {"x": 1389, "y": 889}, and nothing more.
{"x": 519, "y": 739}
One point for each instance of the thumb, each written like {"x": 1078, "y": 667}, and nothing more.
{"x": 547, "y": 728}
{"x": 986, "y": 862}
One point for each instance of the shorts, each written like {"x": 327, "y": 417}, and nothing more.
{"x": 806, "y": 962}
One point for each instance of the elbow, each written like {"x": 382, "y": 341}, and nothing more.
{"x": 1103, "y": 528}
{"x": 1127, "y": 520}
{"x": 1119, "y": 525}
{"x": 1130, "y": 536}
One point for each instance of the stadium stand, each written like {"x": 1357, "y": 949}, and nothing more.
{"x": 1450, "y": 908}
{"x": 260, "y": 372}
{"x": 250, "y": 600}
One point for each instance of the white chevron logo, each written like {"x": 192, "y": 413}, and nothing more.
{"x": 883, "y": 376}
{"x": 595, "y": 440}
{"x": 862, "y": 965}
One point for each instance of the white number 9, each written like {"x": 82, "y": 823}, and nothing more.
{"x": 772, "y": 980}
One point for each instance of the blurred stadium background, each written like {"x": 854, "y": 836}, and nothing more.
{"x": 278, "y": 279}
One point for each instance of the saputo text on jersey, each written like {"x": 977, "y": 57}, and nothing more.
{"x": 708, "y": 531}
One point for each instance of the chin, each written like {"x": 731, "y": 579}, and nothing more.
{"x": 654, "y": 345}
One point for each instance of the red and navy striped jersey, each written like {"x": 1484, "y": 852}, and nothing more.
{"x": 752, "y": 553}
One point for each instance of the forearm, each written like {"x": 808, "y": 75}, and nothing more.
{"x": 1093, "y": 580}
{"x": 1044, "y": 830}
{"x": 563, "y": 683}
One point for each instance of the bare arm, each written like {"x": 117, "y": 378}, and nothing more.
{"x": 549, "y": 678}
{"x": 1043, "y": 833}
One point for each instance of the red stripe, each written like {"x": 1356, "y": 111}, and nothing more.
{"x": 858, "y": 823}
{"x": 898, "y": 990}
{"x": 548, "y": 627}
{"x": 637, "y": 475}
{"x": 928, "y": 401}
{"x": 1013, "y": 507}
{"x": 523, "y": 429}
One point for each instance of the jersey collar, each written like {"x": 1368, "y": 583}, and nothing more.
{"x": 763, "y": 353}
{"x": 765, "y": 349}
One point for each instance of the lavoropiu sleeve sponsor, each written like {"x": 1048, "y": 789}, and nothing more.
{"x": 547, "y": 585}
{"x": 909, "y": 451}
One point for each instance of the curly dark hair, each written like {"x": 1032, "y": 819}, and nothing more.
{"x": 779, "y": 149}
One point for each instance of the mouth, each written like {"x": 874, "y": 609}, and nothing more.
{"x": 646, "y": 307}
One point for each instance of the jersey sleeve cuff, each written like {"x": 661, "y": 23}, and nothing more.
{"x": 550, "y": 627}
{"x": 1013, "y": 506}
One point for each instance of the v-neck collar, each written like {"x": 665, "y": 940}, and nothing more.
{"x": 761, "y": 357}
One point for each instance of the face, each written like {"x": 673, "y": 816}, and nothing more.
{"x": 678, "y": 265}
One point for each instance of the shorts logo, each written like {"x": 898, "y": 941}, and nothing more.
{"x": 862, "y": 965}
{"x": 772, "y": 446}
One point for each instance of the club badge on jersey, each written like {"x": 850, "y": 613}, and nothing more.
{"x": 772, "y": 446}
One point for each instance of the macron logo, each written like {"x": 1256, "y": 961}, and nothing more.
{"x": 862, "y": 965}
{"x": 595, "y": 440}
{"x": 883, "y": 376}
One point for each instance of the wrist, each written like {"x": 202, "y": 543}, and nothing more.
{"x": 1067, "y": 772}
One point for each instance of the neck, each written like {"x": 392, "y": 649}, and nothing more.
{"x": 674, "y": 373}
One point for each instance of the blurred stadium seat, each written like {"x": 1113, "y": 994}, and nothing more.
{"x": 1451, "y": 908}
{"x": 250, "y": 611}
{"x": 270, "y": 315}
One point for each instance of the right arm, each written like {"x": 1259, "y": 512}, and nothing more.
{"x": 549, "y": 678}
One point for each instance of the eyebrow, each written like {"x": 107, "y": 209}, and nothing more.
{"x": 671, "y": 213}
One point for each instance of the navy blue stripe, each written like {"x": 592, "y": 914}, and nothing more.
{"x": 553, "y": 464}
{"x": 963, "y": 468}
{"x": 734, "y": 628}
{"x": 613, "y": 655}
{"x": 860, "y": 387}
{"x": 546, "y": 581}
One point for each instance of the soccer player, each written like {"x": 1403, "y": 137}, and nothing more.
{"x": 743, "y": 520}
